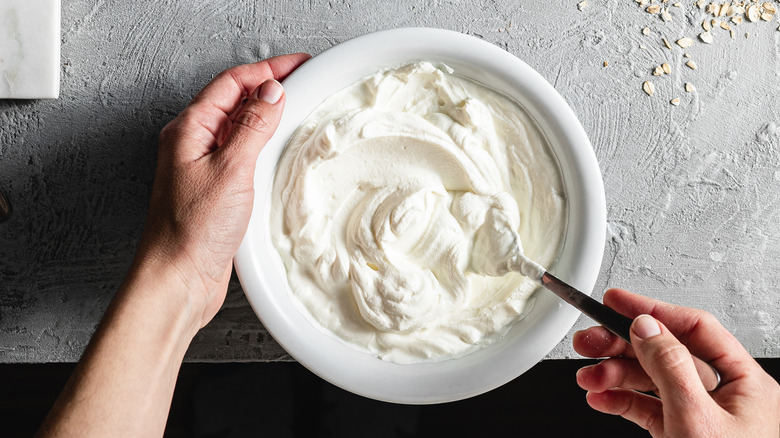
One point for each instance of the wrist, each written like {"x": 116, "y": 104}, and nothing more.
{"x": 162, "y": 286}
{"x": 197, "y": 272}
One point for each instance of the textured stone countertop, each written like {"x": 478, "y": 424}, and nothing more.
{"x": 693, "y": 191}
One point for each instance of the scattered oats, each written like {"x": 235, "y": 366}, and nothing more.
{"x": 658, "y": 71}
{"x": 753, "y": 12}
{"x": 714, "y": 23}
{"x": 707, "y": 37}
{"x": 666, "y": 43}
{"x": 736, "y": 20}
{"x": 701, "y": 4}
{"x": 730, "y": 11}
{"x": 582, "y": 5}
{"x": 666, "y": 68}
{"x": 739, "y": 9}
{"x": 675, "y": 101}
{"x": 723, "y": 9}
{"x": 733, "y": 34}
{"x": 769, "y": 7}
{"x": 677, "y": 5}
{"x": 687, "y": 55}
{"x": 724, "y": 25}
{"x": 706, "y": 26}
{"x": 642, "y": 3}
{"x": 712, "y": 8}
{"x": 766, "y": 16}
{"x": 646, "y": 31}
{"x": 664, "y": 1}
{"x": 667, "y": 17}
{"x": 685, "y": 42}
{"x": 692, "y": 65}
{"x": 649, "y": 88}
{"x": 653, "y": 9}
{"x": 689, "y": 87}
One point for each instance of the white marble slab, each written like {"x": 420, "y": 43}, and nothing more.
{"x": 29, "y": 49}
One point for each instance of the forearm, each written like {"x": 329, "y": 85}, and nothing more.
{"x": 200, "y": 207}
{"x": 124, "y": 382}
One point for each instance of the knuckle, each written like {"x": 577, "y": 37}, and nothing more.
{"x": 229, "y": 73}
{"x": 253, "y": 118}
{"x": 611, "y": 372}
{"x": 631, "y": 409}
{"x": 707, "y": 319}
{"x": 624, "y": 408}
{"x": 177, "y": 125}
{"x": 188, "y": 117}
{"x": 648, "y": 422}
{"x": 167, "y": 131}
{"x": 700, "y": 316}
{"x": 671, "y": 356}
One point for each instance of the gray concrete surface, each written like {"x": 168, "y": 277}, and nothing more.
{"x": 693, "y": 191}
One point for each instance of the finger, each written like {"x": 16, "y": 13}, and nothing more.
{"x": 226, "y": 92}
{"x": 197, "y": 130}
{"x": 644, "y": 410}
{"x": 254, "y": 125}
{"x": 615, "y": 373}
{"x": 699, "y": 330}
{"x": 599, "y": 342}
{"x": 670, "y": 365}
{"x": 209, "y": 114}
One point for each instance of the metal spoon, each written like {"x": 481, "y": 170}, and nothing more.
{"x": 617, "y": 323}
{"x": 5, "y": 207}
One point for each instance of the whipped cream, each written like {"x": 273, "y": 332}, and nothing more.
{"x": 399, "y": 208}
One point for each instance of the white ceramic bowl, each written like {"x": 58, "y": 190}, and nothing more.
{"x": 264, "y": 279}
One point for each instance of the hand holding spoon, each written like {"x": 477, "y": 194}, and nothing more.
{"x": 498, "y": 250}
{"x": 607, "y": 317}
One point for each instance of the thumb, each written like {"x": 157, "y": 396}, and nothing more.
{"x": 668, "y": 363}
{"x": 256, "y": 122}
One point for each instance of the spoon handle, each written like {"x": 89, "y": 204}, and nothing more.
{"x": 616, "y": 323}
{"x": 606, "y": 316}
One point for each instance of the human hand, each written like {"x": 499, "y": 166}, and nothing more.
{"x": 747, "y": 403}
{"x": 203, "y": 190}
{"x": 201, "y": 203}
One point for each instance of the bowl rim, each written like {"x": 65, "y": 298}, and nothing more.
{"x": 528, "y": 341}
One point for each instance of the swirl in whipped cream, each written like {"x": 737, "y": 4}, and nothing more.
{"x": 399, "y": 206}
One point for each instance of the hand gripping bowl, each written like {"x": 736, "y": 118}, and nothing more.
{"x": 263, "y": 276}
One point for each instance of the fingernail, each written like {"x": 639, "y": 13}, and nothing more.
{"x": 645, "y": 326}
{"x": 269, "y": 91}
